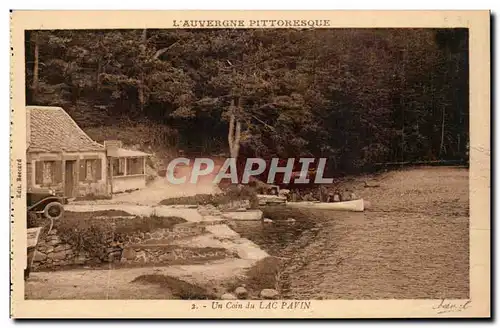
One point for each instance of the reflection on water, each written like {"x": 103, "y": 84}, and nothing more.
{"x": 274, "y": 236}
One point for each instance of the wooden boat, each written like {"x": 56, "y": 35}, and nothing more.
{"x": 357, "y": 205}
{"x": 271, "y": 199}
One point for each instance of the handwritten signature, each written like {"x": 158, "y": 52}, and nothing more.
{"x": 451, "y": 306}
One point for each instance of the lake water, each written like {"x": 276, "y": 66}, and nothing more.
{"x": 277, "y": 237}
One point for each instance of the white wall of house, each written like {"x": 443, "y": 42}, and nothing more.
{"x": 128, "y": 176}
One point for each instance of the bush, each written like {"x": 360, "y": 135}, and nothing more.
{"x": 200, "y": 199}
{"x": 86, "y": 232}
{"x": 231, "y": 194}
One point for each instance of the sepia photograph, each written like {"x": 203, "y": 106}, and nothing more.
{"x": 243, "y": 162}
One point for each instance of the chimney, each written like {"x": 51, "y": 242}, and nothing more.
{"x": 112, "y": 146}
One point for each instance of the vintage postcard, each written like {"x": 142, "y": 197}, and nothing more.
{"x": 250, "y": 164}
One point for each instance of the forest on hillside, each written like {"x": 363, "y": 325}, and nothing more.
{"x": 354, "y": 96}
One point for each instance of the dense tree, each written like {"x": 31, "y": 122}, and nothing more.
{"x": 356, "y": 96}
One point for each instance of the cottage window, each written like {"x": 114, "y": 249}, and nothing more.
{"x": 118, "y": 166}
{"x": 90, "y": 170}
{"x": 48, "y": 172}
{"x": 135, "y": 166}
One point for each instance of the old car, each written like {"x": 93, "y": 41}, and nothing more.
{"x": 46, "y": 202}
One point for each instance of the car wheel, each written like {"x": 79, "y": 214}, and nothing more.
{"x": 53, "y": 210}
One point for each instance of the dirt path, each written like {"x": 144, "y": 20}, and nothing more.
{"x": 119, "y": 283}
{"x": 412, "y": 243}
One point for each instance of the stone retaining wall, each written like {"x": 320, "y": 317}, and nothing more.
{"x": 54, "y": 252}
{"x": 159, "y": 245}
{"x": 173, "y": 254}
{"x": 141, "y": 247}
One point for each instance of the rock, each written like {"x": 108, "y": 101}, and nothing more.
{"x": 241, "y": 292}
{"x": 38, "y": 257}
{"x": 249, "y": 251}
{"x": 114, "y": 256}
{"x": 266, "y": 220}
{"x": 53, "y": 237}
{"x": 204, "y": 212}
{"x": 57, "y": 255}
{"x": 53, "y": 242}
{"x": 141, "y": 257}
{"x": 128, "y": 254}
{"x": 80, "y": 259}
{"x": 291, "y": 220}
{"x": 336, "y": 198}
{"x": 269, "y": 294}
{"x": 284, "y": 192}
{"x": 222, "y": 231}
{"x": 228, "y": 296}
{"x": 166, "y": 257}
{"x": 115, "y": 244}
{"x": 156, "y": 235}
{"x": 346, "y": 197}
{"x": 46, "y": 249}
{"x": 255, "y": 215}
{"x": 62, "y": 247}
{"x": 134, "y": 240}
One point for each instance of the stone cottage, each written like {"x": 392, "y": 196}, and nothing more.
{"x": 61, "y": 156}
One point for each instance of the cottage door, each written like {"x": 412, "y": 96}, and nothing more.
{"x": 69, "y": 179}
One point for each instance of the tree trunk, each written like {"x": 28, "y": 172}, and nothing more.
{"x": 99, "y": 63}
{"x": 141, "y": 82}
{"x": 97, "y": 76}
{"x": 34, "y": 85}
{"x": 441, "y": 147}
{"x": 234, "y": 134}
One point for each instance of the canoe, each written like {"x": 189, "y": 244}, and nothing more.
{"x": 357, "y": 205}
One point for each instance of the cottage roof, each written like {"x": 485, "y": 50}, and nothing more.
{"x": 122, "y": 152}
{"x": 53, "y": 130}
